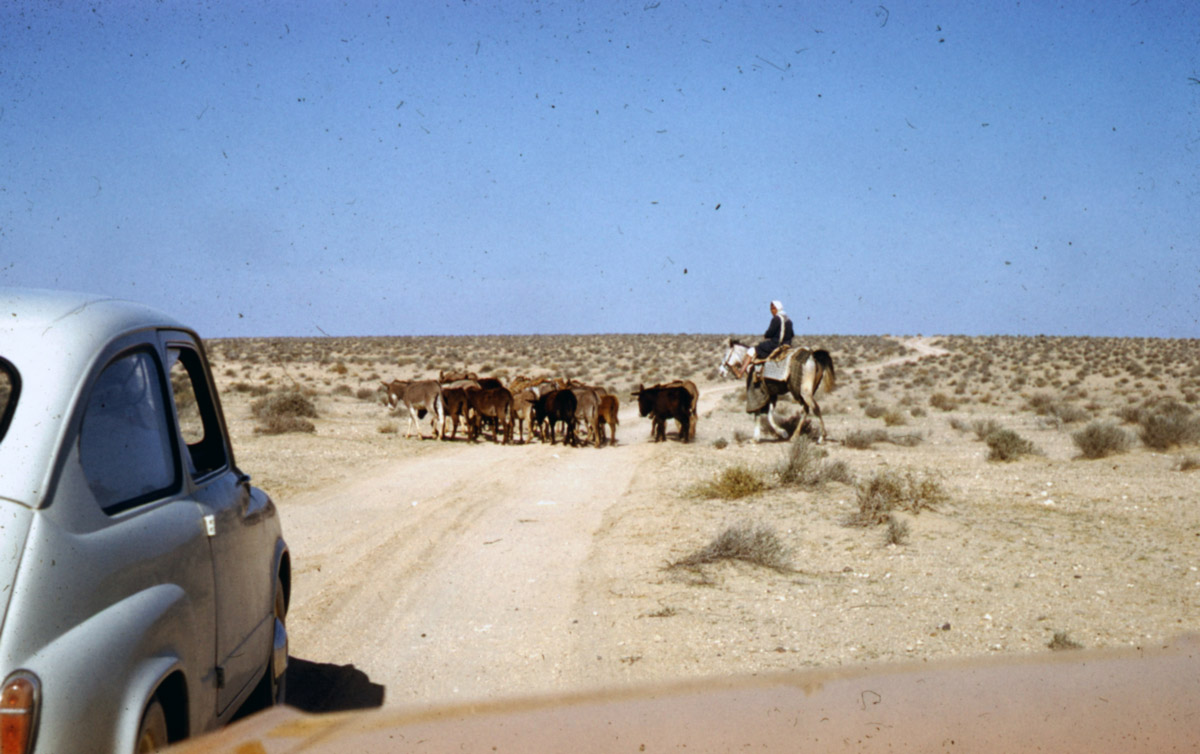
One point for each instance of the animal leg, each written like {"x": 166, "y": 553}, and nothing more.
{"x": 780, "y": 431}
{"x": 809, "y": 402}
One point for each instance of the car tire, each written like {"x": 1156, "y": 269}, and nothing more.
{"x": 152, "y": 733}
{"x": 271, "y": 690}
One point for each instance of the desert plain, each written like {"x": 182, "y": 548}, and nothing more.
{"x": 976, "y": 496}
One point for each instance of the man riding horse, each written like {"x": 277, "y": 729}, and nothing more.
{"x": 778, "y": 333}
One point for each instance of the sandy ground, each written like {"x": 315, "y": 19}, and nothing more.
{"x": 429, "y": 572}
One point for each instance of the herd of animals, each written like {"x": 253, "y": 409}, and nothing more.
{"x": 548, "y": 408}
{"x": 589, "y": 414}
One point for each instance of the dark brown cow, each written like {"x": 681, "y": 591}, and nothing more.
{"x": 663, "y": 402}
{"x": 695, "y": 393}
{"x": 494, "y": 403}
{"x": 554, "y": 407}
{"x": 607, "y": 414}
{"x": 456, "y": 407}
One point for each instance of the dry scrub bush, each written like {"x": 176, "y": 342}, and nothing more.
{"x": 1101, "y": 439}
{"x": 942, "y": 402}
{"x": 283, "y": 411}
{"x": 1168, "y": 424}
{"x": 805, "y": 467}
{"x": 1189, "y": 463}
{"x": 1006, "y": 445}
{"x": 887, "y": 491}
{"x": 1062, "y": 641}
{"x": 874, "y": 411}
{"x": 863, "y": 439}
{"x": 894, "y": 418}
{"x": 732, "y": 483}
{"x": 897, "y": 531}
{"x": 756, "y": 544}
{"x": 983, "y": 428}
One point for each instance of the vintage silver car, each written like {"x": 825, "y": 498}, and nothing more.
{"x": 143, "y": 581}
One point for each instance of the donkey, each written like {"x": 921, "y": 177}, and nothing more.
{"x": 424, "y": 397}
{"x": 807, "y": 370}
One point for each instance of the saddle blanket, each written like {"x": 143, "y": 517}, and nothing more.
{"x": 777, "y": 368}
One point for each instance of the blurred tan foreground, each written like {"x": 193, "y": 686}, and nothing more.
{"x": 1075, "y": 701}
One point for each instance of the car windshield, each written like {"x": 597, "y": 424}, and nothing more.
{"x": 8, "y": 395}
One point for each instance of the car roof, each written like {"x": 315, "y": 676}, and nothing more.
{"x": 52, "y": 338}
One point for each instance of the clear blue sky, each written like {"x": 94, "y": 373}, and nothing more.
{"x": 299, "y": 168}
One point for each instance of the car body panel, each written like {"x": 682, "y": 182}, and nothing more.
{"x": 71, "y": 329}
{"x": 130, "y": 552}
{"x": 1097, "y": 702}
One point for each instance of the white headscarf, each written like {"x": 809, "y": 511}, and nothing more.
{"x": 779, "y": 308}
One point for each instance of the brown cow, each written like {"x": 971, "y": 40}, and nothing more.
{"x": 587, "y": 402}
{"x": 606, "y": 413}
{"x": 455, "y": 399}
{"x": 554, "y": 407}
{"x": 495, "y": 403}
{"x": 695, "y": 393}
{"x": 663, "y": 402}
{"x": 523, "y": 401}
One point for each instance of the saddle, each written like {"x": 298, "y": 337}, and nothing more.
{"x": 777, "y": 363}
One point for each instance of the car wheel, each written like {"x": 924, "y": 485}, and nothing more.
{"x": 272, "y": 689}
{"x": 152, "y": 734}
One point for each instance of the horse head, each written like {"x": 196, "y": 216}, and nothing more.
{"x": 734, "y": 353}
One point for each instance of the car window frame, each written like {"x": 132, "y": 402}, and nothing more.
{"x": 208, "y": 406}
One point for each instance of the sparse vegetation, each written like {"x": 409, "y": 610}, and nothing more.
{"x": 943, "y": 402}
{"x": 887, "y": 491}
{"x": 732, "y": 483}
{"x": 1167, "y": 425}
{"x": 756, "y": 544}
{"x": 897, "y": 531}
{"x": 1006, "y": 445}
{"x": 805, "y": 466}
{"x": 282, "y": 412}
{"x": 1062, "y": 641}
{"x": 862, "y": 439}
{"x": 1101, "y": 439}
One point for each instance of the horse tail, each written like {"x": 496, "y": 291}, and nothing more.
{"x": 825, "y": 361}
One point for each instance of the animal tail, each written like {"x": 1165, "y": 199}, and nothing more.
{"x": 822, "y": 357}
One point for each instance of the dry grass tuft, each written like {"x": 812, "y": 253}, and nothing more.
{"x": 732, "y": 483}
{"x": 887, "y": 491}
{"x": 1061, "y": 641}
{"x": 805, "y": 466}
{"x": 756, "y": 544}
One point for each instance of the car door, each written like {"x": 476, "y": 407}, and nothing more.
{"x": 242, "y": 552}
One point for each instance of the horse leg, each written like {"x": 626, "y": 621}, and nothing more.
{"x": 808, "y": 399}
{"x": 780, "y": 431}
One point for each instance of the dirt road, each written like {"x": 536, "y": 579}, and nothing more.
{"x": 454, "y": 573}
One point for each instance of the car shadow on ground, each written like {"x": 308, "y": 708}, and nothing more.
{"x": 325, "y": 687}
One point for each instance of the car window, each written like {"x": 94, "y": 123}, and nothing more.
{"x": 8, "y": 395}
{"x": 197, "y": 414}
{"x": 125, "y": 444}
